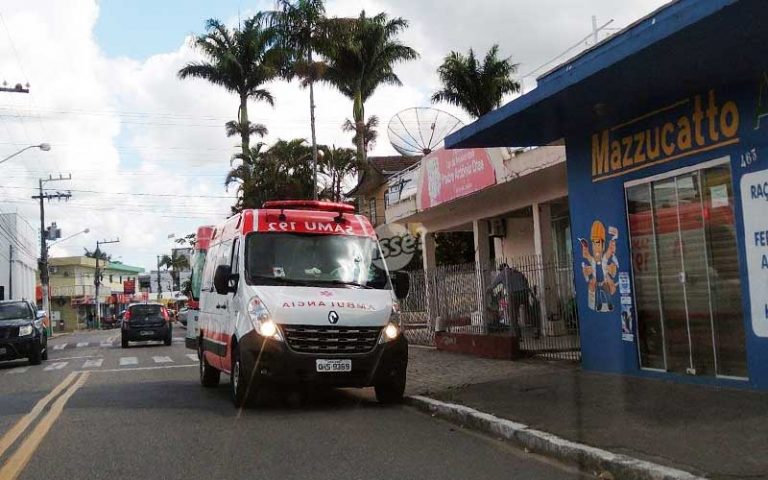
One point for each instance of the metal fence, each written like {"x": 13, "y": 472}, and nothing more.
{"x": 533, "y": 299}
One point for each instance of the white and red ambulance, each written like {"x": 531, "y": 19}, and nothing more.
{"x": 200, "y": 251}
{"x": 296, "y": 293}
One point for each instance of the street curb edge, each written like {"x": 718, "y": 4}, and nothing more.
{"x": 588, "y": 458}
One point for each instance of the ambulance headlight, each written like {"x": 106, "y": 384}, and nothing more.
{"x": 262, "y": 320}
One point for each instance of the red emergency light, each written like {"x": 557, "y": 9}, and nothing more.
{"x": 321, "y": 205}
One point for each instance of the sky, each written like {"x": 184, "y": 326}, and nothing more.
{"x": 147, "y": 152}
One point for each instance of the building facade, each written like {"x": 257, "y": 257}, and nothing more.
{"x": 19, "y": 245}
{"x": 73, "y": 293}
{"x": 666, "y": 131}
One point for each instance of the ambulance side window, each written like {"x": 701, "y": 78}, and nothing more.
{"x": 210, "y": 266}
{"x": 235, "y": 262}
{"x": 224, "y": 256}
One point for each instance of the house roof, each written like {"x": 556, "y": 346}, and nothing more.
{"x": 381, "y": 168}
{"x": 684, "y": 46}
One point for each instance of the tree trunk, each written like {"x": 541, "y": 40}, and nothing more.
{"x": 245, "y": 132}
{"x": 312, "y": 124}
{"x": 358, "y": 112}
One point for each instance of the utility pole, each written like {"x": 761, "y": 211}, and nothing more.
{"x": 10, "y": 273}
{"x": 42, "y": 196}
{"x": 97, "y": 278}
{"x": 159, "y": 284}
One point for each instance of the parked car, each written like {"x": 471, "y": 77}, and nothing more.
{"x": 146, "y": 321}
{"x": 22, "y": 332}
{"x": 110, "y": 321}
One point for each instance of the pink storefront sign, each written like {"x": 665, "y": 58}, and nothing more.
{"x": 450, "y": 174}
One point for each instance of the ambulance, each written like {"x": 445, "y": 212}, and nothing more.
{"x": 297, "y": 293}
{"x": 199, "y": 252}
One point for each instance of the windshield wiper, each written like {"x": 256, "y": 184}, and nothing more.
{"x": 346, "y": 284}
{"x": 283, "y": 280}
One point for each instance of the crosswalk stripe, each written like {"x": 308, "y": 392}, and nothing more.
{"x": 82, "y": 344}
{"x": 129, "y": 361}
{"x": 106, "y": 344}
{"x": 95, "y": 363}
{"x": 192, "y": 356}
{"x": 55, "y": 366}
{"x": 59, "y": 347}
{"x": 162, "y": 359}
{"x": 18, "y": 370}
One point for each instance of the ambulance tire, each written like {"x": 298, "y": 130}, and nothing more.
{"x": 209, "y": 376}
{"x": 239, "y": 384}
{"x": 391, "y": 390}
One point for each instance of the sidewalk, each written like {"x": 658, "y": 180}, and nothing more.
{"x": 714, "y": 432}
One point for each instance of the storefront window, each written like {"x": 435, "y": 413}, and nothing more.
{"x": 687, "y": 287}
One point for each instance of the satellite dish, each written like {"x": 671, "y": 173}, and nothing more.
{"x": 420, "y": 130}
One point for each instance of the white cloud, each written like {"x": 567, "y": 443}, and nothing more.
{"x": 123, "y": 125}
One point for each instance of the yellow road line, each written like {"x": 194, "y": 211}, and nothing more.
{"x": 15, "y": 465}
{"x": 27, "y": 419}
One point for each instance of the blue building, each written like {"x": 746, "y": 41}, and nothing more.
{"x": 666, "y": 133}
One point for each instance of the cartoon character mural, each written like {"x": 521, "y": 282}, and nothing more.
{"x": 600, "y": 267}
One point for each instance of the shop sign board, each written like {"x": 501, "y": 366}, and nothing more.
{"x": 450, "y": 174}
{"x": 754, "y": 201}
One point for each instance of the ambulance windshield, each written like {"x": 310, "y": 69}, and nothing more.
{"x": 314, "y": 260}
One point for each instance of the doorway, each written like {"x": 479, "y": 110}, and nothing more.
{"x": 686, "y": 272}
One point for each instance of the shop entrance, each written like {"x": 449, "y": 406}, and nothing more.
{"x": 686, "y": 272}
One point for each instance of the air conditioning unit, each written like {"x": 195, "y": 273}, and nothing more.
{"x": 497, "y": 228}
{"x": 53, "y": 269}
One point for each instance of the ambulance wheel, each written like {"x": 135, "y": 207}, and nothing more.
{"x": 391, "y": 389}
{"x": 240, "y": 385}
{"x": 209, "y": 376}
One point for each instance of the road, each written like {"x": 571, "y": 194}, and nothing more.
{"x": 96, "y": 411}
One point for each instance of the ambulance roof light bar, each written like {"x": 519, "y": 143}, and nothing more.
{"x": 321, "y": 205}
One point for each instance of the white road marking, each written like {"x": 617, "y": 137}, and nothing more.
{"x": 106, "y": 344}
{"x": 59, "y": 347}
{"x": 193, "y": 357}
{"x": 162, "y": 359}
{"x": 55, "y": 366}
{"x": 129, "y": 361}
{"x": 78, "y": 358}
{"x": 82, "y": 344}
{"x": 93, "y": 363}
{"x": 112, "y": 370}
{"x": 18, "y": 370}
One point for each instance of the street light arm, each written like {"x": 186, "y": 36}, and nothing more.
{"x": 67, "y": 238}
{"x": 43, "y": 146}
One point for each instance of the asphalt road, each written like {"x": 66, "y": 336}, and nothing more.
{"x": 96, "y": 411}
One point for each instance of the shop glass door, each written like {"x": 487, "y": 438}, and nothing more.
{"x": 685, "y": 266}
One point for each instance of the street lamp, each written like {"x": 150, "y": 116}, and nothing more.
{"x": 43, "y": 146}
{"x": 67, "y": 238}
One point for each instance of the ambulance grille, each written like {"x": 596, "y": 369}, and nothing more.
{"x": 331, "y": 339}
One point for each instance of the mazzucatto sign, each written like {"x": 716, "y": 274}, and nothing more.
{"x": 703, "y": 124}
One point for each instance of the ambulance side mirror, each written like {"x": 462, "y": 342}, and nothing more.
{"x": 401, "y": 283}
{"x": 222, "y": 280}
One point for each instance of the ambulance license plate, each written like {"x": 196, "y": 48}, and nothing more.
{"x": 325, "y": 366}
{"x": 146, "y": 333}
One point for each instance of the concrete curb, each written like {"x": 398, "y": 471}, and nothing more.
{"x": 588, "y": 458}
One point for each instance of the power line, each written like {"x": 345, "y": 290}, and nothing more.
{"x": 137, "y": 194}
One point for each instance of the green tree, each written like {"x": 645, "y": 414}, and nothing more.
{"x": 300, "y": 27}
{"x": 241, "y": 60}
{"x": 174, "y": 263}
{"x": 476, "y": 87}
{"x": 370, "y": 134}
{"x": 361, "y": 54}
{"x": 337, "y": 165}
{"x": 282, "y": 171}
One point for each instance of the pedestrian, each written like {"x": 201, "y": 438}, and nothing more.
{"x": 512, "y": 291}
{"x": 90, "y": 319}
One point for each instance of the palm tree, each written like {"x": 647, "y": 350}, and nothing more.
{"x": 370, "y": 134}
{"x": 337, "y": 164}
{"x": 476, "y": 88}
{"x": 174, "y": 263}
{"x": 241, "y": 60}
{"x": 361, "y": 54}
{"x": 300, "y": 25}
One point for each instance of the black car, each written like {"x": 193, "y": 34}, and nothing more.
{"x": 22, "y": 334}
{"x": 146, "y": 321}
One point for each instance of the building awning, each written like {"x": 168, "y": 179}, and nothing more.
{"x": 684, "y": 46}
